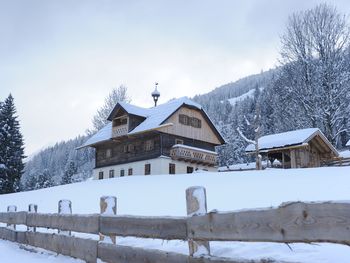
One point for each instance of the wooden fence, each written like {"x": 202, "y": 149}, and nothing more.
{"x": 290, "y": 222}
{"x": 341, "y": 161}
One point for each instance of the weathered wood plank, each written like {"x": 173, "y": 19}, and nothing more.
{"x": 8, "y": 234}
{"x": 124, "y": 254}
{"x": 69, "y": 222}
{"x": 292, "y": 222}
{"x": 85, "y": 249}
{"x": 148, "y": 227}
{"x": 15, "y": 218}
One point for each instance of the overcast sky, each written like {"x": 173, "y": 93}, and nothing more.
{"x": 60, "y": 58}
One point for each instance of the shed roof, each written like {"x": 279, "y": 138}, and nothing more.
{"x": 290, "y": 138}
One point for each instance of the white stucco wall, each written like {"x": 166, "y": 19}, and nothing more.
{"x": 159, "y": 165}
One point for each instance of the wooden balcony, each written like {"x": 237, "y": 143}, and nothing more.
{"x": 119, "y": 130}
{"x": 193, "y": 155}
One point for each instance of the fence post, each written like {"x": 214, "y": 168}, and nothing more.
{"x": 32, "y": 208}
{"x": 108, "y": 206}
{"x": 11, "y": 208}
{"x": 64, "y": 208}
{"x": 196, "y": 201}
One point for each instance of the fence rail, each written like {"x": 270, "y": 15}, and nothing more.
{"x": 342, "y": 161}
{"x": 291, "y": 222}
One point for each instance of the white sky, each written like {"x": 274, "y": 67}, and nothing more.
{"x": 60, "y": 58}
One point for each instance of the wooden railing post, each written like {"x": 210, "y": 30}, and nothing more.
{"x": 32, "y": 208}
{"x": 64, "y": 207}
{"x": 108, "y": 206}
{"x": 11, "y": 208}
{"x": 196, "y": 201}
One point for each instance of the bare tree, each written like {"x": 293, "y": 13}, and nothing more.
{"x": 315, "y": 70}
{"x": 255, "y": 142}
{"x": 116, "y": 95}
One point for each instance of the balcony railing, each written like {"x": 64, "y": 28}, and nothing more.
{"x": 193, "y": 155}
{"x": 119, "y": 130}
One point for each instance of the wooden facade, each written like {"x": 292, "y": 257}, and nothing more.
{"x": 307, "y": 155}
{"x": 142, "y": 147}
{"x": 204, "y": 133}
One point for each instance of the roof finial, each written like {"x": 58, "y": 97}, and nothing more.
{"x": 155, "y": 94}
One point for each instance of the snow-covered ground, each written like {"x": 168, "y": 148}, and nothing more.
{"x": 345, "y": 154}
{"x": 165, "y": 195}
{"x": 11, "y": 253}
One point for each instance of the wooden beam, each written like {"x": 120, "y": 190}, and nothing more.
{"x": 290, "y": 223}
{"x": 72, "y": 222}
{"x": 149, "y": 227}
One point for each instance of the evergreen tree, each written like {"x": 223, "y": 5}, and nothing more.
{"x": 11, "y": 148}
{"x": 44, "y": 180}
{"x": 69, "y": 172}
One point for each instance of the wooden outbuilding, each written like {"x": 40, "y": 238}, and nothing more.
{"x": 296, "y": 149}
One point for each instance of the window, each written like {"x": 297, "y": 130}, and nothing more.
{"x": 122, "y": 172}
{"x": 130, "y": 171}
{"x": 189, "y": 169}
{"x": 179, "y": 141}
{"x": 196, "y": 123}
{"x": 111, "y": 173}
{"x": 149, "y": 145}
{"x": 171, "y": 168}
{"x": 190, "y": 121}
{"x": 184, "y": 119}
{"x": 100, "y": 175}
{"x": 120, "y": 121}
{"x": 131, "y": 148}
{"x": 108, "y": 153}
{"x": 147, "y": 168}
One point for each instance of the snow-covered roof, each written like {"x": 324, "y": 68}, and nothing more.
{"x": 102, "y": 135}
{"x": 157, "y": 115}
{"x": 348, "y": 143}
{"x": 290, "y": 138}
{"x": 154, "y": 118}
{"x": 135, "y": 110}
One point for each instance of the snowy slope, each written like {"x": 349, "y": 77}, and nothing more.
{"x": 165, "y": 195}
{"x": 244, "y": 96}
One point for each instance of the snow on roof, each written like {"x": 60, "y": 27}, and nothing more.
{"x": 159, "y": 114}
{"x": 102, "y": 135}
{"x": 135, "y": 110}
{"x": 284, "y": 139}
{"x": 348, "y": 143}
{"x": 154, "y": 118}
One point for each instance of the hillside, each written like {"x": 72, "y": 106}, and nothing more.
{"x": 48, "y": 166}
{"x": 165, "y": 195}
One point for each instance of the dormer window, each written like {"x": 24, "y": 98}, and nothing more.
{"x": 120, "y": 121}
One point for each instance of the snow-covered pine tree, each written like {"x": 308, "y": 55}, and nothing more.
{"x": 11, "y": 147}
{"x": 44, "y": 179}
{"x": 70, "y": 170}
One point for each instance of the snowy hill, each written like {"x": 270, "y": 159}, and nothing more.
{"x": 244, "y": 96}
{"x": 165, "y": 195}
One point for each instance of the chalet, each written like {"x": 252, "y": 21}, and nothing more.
{"x": 175, "y": 137}
{"x": 296, "y": 149}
